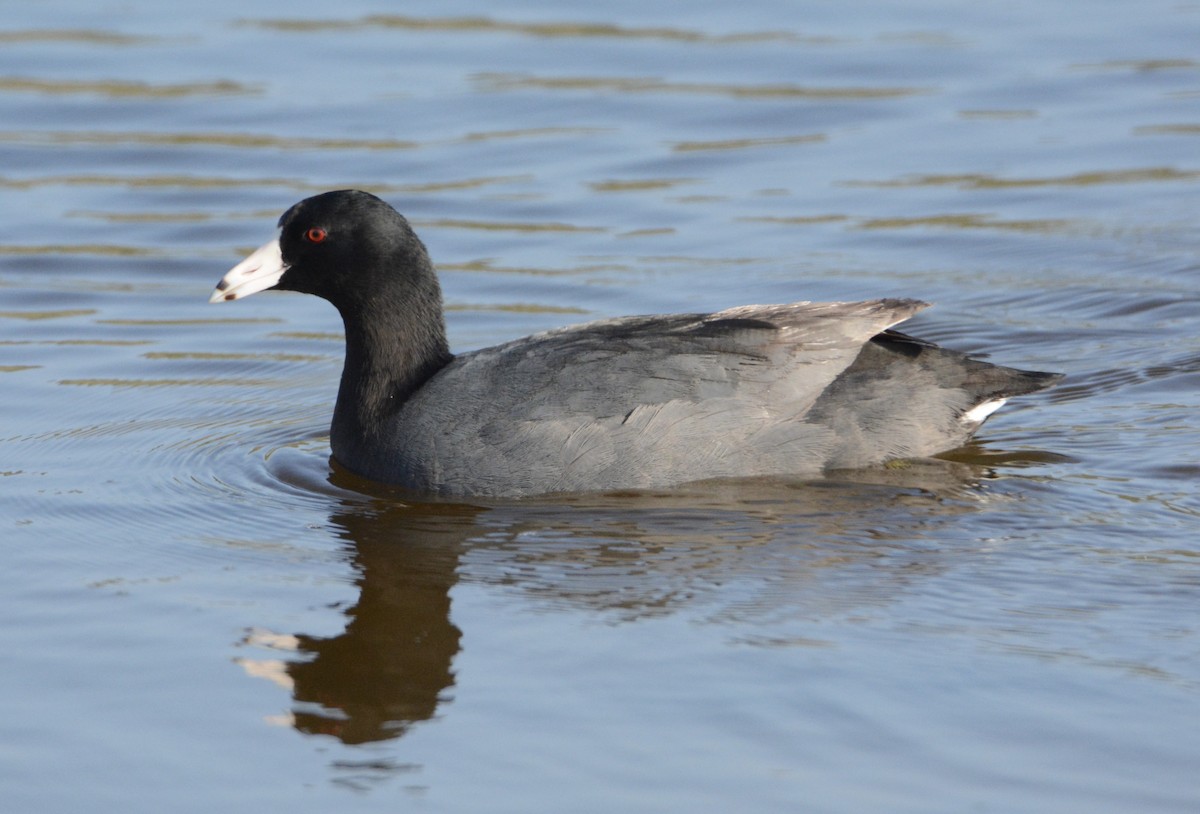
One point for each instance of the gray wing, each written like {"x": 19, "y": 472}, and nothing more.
{"x": 640, "y": 401}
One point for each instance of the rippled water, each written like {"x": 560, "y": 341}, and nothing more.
{"x": 202, "y": 613}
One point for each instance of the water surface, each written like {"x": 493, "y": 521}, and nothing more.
{"x": 203, "y": 613}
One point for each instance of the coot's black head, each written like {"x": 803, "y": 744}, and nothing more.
{"x": 348, "y": 247}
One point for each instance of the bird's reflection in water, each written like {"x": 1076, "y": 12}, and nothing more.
{"x": 817, "y": 547}
{"x": 392, "y": 665}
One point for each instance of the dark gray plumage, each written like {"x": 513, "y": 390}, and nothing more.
{"x": 636, "y": 402}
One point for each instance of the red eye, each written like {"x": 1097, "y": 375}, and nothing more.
{"x": 315, "y": 235}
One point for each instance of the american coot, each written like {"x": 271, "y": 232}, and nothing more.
{"x": 635, "y": 402}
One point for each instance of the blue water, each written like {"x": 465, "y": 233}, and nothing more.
{"x": 201, "y": 612}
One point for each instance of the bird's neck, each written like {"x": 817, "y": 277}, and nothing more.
{"x": 394, "y": 344}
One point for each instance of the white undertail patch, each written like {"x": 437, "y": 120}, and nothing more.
{"x": 978, "y": 413}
